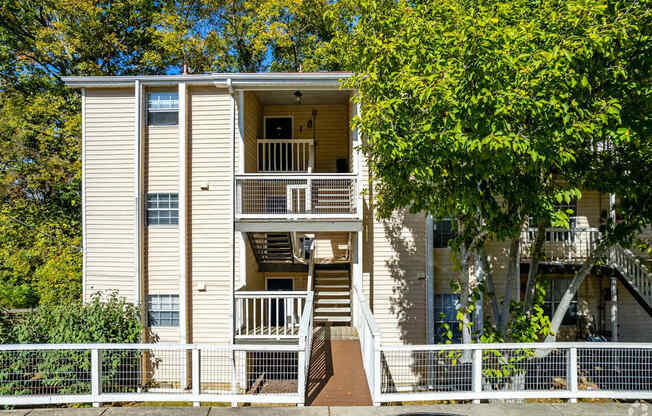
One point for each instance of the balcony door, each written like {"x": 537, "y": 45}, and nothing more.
{"x": 279, "y": 309}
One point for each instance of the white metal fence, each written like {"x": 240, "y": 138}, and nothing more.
{"x": 515, "y": 371}
{"x": 32, "y": 374}
{"x": 365, "y": 324}
{"x": 297, "y": 196}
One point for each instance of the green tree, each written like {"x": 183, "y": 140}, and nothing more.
{"x": 490, "y": 112}
{"x": 40, "y": 208}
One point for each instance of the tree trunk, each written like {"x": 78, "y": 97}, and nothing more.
{"x": 537, "y": 252}
{"x": 512, "y": 269}
{"x": 572, "y": 289}
{"x": 491, "y": 289}
{"x": 464, "y": 297}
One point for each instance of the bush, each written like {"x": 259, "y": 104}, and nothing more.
{"x": 109, "y": 320}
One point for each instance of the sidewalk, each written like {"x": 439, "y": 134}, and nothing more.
{"x": 530, "y": 409}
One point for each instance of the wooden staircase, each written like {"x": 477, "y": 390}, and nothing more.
{"x": 332, "y": 296}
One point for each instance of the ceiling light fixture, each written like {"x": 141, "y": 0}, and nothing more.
{"x": 298, "y": 95}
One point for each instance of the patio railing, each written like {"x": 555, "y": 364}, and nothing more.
{"x": 562, "y": 245}
{"x": 297, "y": 196}
{"x": 269, "y": 314}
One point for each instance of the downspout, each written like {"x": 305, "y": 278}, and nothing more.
{"x": 229, "y": 86}
{"x": 430, "y": 281}
{"x": 83, "y": 195}
{"x": 138, "y": 201}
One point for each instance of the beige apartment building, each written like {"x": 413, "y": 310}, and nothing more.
{"x": 220, "y": 200}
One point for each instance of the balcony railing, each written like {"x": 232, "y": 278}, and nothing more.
{"x": 269, "y": 314}
{"x": 276, "y": 155}
{"x": 562, "y": 245}
{"x": 296, "y": 196}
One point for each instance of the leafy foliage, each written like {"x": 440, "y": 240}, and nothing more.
{"x": 41, "y": 41}
{"x": 110, "y": 320}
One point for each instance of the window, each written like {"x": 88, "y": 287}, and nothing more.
{"x": 443, "y": 233}
{"x": 163, "y": 310}
{"x": 163, "y": 108}
{"x": 446, "y": 313}
{"x": 278, "y": 128}
{"x": 163, "y": 209}
{"x": 556, "y": 288}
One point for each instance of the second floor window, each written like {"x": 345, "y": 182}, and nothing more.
{"x": 163, "y": 109}
{"x": 443, "y": 233}
{"x": 163, "y": 209}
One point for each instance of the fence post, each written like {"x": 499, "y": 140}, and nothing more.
{"x": 196, "y": 372}
{"x": 375, "y": 395}
{"x": 95, "y": 376}
{"x": 476, "y": 375}
{"x": 301, "y": 376}
{"x": 572, "y": 373}
{"x": 234, "y": 376}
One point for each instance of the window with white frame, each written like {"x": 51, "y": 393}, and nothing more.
{"x": 554, "y": 292}
{"x": 163, "y": 310}
{"x": 163, "y": 108}
{"x": 163, "y": 208}
{"x": 445, "y": 319}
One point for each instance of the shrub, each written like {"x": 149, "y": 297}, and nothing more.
{"x": 102, "y": 320}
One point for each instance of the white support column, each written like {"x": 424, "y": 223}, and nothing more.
{"x": 479, "y": 315}
{"x": 138, "y": 189}
{"x": 301, "y": 375}
{"x": 183, "y": 225}
{"x": 572, "y": 372}
{"x": 476, "y": 374}
{"x": 196, "y": 371}
{"x": 95, "y": 376}
{"x": 430, "y": 281}
{"x": 241, "y": 169}
{"x": 378, "y": 375}
{"x": 614, "y": 309}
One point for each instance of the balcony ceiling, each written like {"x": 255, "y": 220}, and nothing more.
{"x": 310, "y": 97}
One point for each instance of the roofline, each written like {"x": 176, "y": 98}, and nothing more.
{"x": 240, "y": 80}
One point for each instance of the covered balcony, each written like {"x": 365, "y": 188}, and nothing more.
{"x": 297, "y": 157}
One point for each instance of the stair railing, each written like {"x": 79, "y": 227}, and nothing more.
{"x": 633, "y": 270}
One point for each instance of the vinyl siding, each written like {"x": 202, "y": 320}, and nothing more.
{"x": 633, "y": 321}
{"x": 398, "y": 282}
{"x": 253, "y": 121}
{"x": 331, "y": 247}
{"x": 109, "y": 184}
{"x": 211, "y": 222}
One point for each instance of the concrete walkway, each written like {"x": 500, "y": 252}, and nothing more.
{"x": 530, "y": 409}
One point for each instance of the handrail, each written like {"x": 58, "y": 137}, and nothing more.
{"x": 296, "y": 175}
{"x": 306, "y": 316}
{"x": 366, "y": 312}
{"x": 268, "y": 293}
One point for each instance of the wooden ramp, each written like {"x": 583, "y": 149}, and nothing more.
{"x": 336, "y": 376}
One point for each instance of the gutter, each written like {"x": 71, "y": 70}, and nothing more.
{"x": 237, "y": 80}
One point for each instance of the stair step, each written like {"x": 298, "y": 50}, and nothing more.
{"x": 332, "y": 318}
{"x": 333, "y": 301}
{"x": 333, "y": 293}
{"x": 321, "y": 287}
{"x": 331, "y": 271}
{"x": 332, "y": 279}
{"x": 333, "y": 310}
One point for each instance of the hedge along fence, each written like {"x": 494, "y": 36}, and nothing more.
{"x": 102, "y": 320}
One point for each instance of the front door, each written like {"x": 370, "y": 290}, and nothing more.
{"x": 279, "y": 311}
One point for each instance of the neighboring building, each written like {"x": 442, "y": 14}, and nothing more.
{"x": 204, "y": 193}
